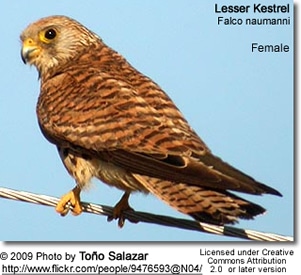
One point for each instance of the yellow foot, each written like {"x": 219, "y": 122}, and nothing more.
{"x": 119, "y": 208}
{"x": 70, "y": 199}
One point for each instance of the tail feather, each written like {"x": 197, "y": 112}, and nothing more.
{"x": 211, "y": 206}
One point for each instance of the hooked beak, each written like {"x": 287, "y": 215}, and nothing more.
{"x": 29, "y": 51}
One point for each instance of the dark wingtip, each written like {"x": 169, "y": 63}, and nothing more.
{"x": 272, "y": 191}
{"x": 277, "y": 193}
{"x": 261, "y": 188}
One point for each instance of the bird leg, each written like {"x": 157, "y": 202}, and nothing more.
{"x": 70, "y": 199}
{"x": 119, "y": 208}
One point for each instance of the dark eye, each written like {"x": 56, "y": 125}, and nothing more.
{"x": 50, "y": 34}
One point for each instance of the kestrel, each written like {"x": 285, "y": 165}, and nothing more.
{"x": 111, "y": 122}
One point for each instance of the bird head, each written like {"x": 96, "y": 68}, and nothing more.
{"x": 53, "y": 41}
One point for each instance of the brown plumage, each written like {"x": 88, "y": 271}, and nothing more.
{"x": 111, "y": 122}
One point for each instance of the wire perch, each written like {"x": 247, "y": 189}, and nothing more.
{"x": 148, "y": 217}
